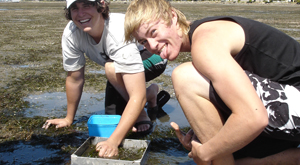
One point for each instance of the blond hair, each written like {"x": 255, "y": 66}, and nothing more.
{"x": 143, "y": 11}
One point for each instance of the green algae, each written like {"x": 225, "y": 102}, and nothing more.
{"x": 129, "y": 154}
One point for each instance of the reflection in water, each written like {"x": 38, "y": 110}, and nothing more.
{"x": 54, "y": 105}
{"x": 169, "y": 69}
{"x": 41, "y": 149}
{"x": 25, "y": 153}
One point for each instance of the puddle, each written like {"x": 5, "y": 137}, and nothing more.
{"x": 41, "y": 150}
{"x": 54, "y": 105}
{"x": 25, "y": 153}
{"x": 171, "y": 152}
{"x": 169, "y": 69}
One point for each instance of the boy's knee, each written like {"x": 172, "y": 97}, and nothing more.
{"x": 110, "y": 71}
{"x": 181, "y": 75}
{"x": 109, "y": 68}
{"x": 187, "y": 80}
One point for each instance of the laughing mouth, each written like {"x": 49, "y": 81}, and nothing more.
{"x": 84, "y": 21}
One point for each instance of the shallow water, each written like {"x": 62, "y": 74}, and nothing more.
{"x": 26, "y": 153}
{"x": 53, "y": 105}
{"x": 40, "y": 150}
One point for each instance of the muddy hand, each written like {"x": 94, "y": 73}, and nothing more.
{"x": 59, "y": 123}
{"x": 184, "y": 138}
{"x": 46, "y": 125}
{"x": 106, "y": 151}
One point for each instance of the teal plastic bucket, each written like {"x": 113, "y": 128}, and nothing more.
{"x": 103, "y": 125}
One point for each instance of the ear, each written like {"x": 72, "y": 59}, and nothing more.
{"x": 175, "y": 20}
{"x": 174, "y": 17}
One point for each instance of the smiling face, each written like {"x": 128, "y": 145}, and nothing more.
{"x": 160, "y": 38}
{"x": 87, "y": 18}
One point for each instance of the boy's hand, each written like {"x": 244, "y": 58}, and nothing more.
{"x": 60, "y": 123}
{"x": 107, "y": 149}
{"x": 184, "y": 138}
{"x": 194, "y": 153}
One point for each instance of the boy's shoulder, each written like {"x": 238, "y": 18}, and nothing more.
{"x": 71, "y": 29}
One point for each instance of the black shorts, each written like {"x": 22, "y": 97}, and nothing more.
{"x": 264, "y": 146}
{"x": 283, "y": 131}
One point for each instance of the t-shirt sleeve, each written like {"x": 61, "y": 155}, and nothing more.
{"x": 127, "y": 59}
{"x": 73, "y": 58}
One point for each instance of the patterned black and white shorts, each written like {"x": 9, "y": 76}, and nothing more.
{"x": 282, "y": 103}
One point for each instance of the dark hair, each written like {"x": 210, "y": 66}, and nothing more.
{"x": 103, "y": 9}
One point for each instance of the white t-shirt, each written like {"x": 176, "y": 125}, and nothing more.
{"x": 76, "y": 44}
